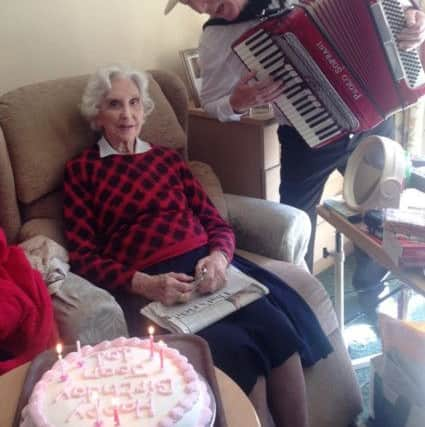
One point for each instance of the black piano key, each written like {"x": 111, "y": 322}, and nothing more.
{"x": 326, "y": 135}
{"x": 294, "y": 90}
{"x": 318, "y": 118}
{"x": 319, "y": 114}
{"x": 275, "y": 73}
{"x": 271, "y": 56}
{"x": 254, "y": 38}
{"x": 304, "y": 112}
{"x": 271, "y": 63}
{"x": 287, "y": 80}
{"x": 304, "y": 98}
{"x": 285, "y": 72}
{"x": 301, "y": 103}
{"x": 327, "y": 129}
{"x": 261, "y": 47}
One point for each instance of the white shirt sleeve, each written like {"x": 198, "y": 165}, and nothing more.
{"x": 221, "y": 69}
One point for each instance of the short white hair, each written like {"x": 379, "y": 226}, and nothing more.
{"x": 100, "y": 83}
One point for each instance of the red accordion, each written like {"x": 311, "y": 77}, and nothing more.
{"x": 339, "y": 60}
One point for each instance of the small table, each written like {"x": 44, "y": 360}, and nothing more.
{"x": 237, "y": 407}
{"x": 360, "y": 238}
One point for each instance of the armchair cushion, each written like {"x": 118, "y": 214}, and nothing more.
{"x": 273, "y": 230}
{"x": 270, "y": 229}
{"x": 44, "y": 129}
{"x": 48, "y": 227}
{"x": 211, "y": 185}
{"x": 86, "y": 312}
{"x": 82, "y": 311}
{"x": 162, "y": 126}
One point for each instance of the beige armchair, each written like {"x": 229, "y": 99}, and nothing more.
{"x": 40, "y": 129}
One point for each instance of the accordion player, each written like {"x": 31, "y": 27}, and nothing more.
{"x": 340, "y": 63}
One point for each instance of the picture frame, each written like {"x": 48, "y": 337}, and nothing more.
{"x": 190, "y": 59}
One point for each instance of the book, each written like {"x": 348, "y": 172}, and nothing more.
{"x": 403, "y": 251}
{"x": 204, "y": 310}
{"x": 409, "y": 222}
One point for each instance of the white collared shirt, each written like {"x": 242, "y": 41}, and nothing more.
{"x": 106, "y": 149}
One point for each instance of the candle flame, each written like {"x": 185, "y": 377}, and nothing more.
{"x": 151, "y": 330}
{"x": 59, "y": 348}
{"x": 161, "y": 343}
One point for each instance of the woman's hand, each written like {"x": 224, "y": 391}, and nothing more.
{"x": 214, "y": 267}
{"x": 413, "y": 34}
{"x": 250, "y": 93}
{"x": 169, "y": 288}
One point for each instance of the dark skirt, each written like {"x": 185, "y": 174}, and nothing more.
{"x": 262, "y": 335}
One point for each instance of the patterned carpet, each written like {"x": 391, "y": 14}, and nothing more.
{"x": 361, "y": 334}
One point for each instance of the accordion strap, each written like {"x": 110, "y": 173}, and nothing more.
{"x": 416, "y": 4}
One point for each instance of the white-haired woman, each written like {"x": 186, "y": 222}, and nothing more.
{"x": 136, "y": 220}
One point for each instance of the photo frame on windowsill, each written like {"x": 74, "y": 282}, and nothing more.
{"x": 190, "y": 59}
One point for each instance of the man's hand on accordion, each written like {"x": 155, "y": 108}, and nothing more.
{"x": 413, "y": 34}
{"x": 249, "y": 92}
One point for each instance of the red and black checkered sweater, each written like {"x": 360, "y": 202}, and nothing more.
{"x": 124, "y": 213}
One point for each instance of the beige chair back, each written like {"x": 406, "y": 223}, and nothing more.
{"x": 41, "y": 129}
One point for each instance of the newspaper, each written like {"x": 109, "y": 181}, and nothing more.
{"x": 202, "y": 311}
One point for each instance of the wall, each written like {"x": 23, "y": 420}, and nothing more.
{"x": 48, "y": 39}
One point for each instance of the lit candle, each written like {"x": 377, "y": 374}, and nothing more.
{"x": 99, "y": 360}
{"x": 95, "y": 398}
{"x": 80, "y": 354}
{"x": 151, "y": 330}
{"x": 63, "y": 376}
{"x": 116, "y": 416}
{"x": 138, "y": 408}
{"x": 161, "y": 353}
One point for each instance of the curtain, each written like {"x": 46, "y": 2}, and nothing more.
{"x": 411, "y": 124}
{"x": 410, "y": 129}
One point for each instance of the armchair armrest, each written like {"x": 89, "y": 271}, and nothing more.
{"x": 270, "y": 229}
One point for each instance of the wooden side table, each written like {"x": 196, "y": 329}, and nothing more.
{"x": 237, "y": 407}
{"x": 245, "y": 155}
{"x": 360, "y": 238}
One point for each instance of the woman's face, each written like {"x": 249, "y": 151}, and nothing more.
{"x": 226, "y": 9}
{"x": 121, "y": 113}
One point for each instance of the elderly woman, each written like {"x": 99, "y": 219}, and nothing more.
{"x": 137, "y": 220}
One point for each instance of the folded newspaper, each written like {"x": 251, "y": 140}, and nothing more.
{"x": 203, "y": 310}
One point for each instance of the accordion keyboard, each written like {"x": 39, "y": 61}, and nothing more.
{"x": 318, "y": 115}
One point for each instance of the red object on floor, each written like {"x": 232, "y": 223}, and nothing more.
{"x": 27, "y": 325}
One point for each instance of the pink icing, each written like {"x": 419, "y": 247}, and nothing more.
{"x": 132, "y": 394}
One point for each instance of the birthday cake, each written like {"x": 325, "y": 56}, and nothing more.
{"x": 125, "y": 382}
